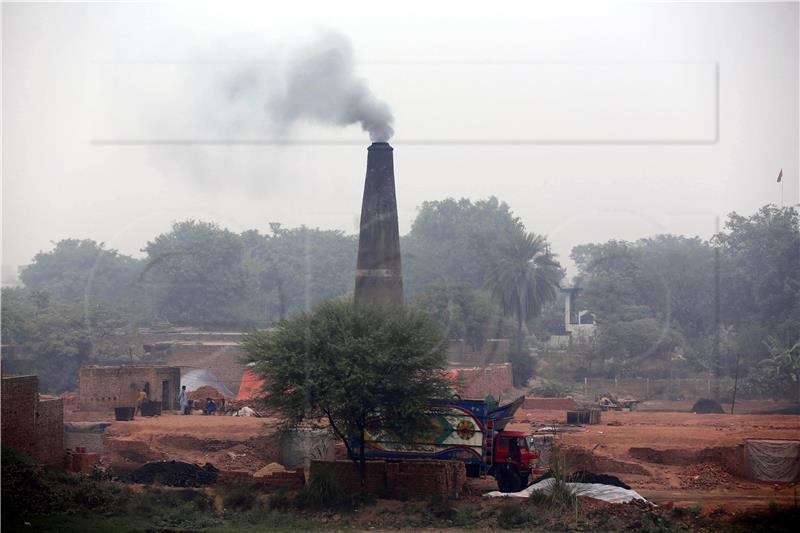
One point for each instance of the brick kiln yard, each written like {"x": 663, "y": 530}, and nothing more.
{"x": 676, "y": 457}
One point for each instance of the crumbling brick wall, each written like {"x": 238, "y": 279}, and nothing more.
{"x": 479, "y": 382}
{"x": 20, "y": 394}
{"x": 416, "y": 480}
{"x": 32, "y": 424}
{"x": 106, "y": 387}
{"x": 49, "y": 430}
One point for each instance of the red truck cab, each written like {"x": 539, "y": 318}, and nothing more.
{"x": 514, "y": 460}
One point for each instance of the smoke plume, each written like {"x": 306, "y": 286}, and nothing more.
{"x": 320, "y": 85}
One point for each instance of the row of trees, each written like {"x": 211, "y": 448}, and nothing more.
{"x": 671, "y": 304}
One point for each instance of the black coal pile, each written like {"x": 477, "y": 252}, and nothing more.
{"x": 707, "y": 406}
{"x": 175, "y": 474}
{"x": 585, "y": 476}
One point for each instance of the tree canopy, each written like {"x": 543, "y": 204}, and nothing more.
{"x": 354, "y": 366}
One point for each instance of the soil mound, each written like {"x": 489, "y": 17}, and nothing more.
{"x": 707, "y": 406}
{"x": 585, "y": 476}
{"x": 175, "y": 473}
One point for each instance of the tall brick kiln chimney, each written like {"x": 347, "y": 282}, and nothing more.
{"x": 378, "y": 272}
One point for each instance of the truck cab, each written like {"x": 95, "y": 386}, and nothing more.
{"x": 514, "y": 460}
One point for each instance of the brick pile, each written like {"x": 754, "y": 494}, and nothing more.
{"x": 80, "y": 461}
{"x": 416, "y": 479}
{"x": 289, "y": 479}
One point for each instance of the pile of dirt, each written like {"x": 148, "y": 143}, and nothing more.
{"x": 585, "y": 476}
{"x": 704, "y": 476}
{"x": 706, "y": 406}
{"x": 174, "y": 473}
{"x": 200, "y": 395}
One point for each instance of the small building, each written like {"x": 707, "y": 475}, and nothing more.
{"x": 579, "y": 326}
{"x": 107, "y": 387}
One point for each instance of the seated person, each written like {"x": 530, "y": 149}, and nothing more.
{"x": 211, "y": 407}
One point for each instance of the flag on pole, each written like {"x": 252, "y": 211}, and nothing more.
{"x": 780, "y": 175}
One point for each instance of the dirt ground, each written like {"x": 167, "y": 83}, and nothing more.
{"x": 676, "y": 458}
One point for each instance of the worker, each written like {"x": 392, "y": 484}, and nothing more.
{"x": 140, "y": 399}
{"x": 183, "y": 400}
{"x": 211, "y": 407}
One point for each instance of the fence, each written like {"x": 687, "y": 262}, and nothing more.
{"x": 665, "y": 389}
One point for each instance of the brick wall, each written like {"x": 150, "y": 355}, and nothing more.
{"x": 643, "y": 388}
{"x": 555, "y": 404}
{"x": 106, "y": 387}
{"x": 416, "y": 480}
{"x": 20, "y": 394}
{"x": 32, "y": 424}
{"x": 49, "y": 430}
{"x": 222, "y": 359}
{"x": 479, "y": 382}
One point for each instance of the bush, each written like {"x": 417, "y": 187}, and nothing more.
{"x": 511, "y": 516}
{"x": 240, "y": 499}
{"x": 551, "y": 389}
{"x": 324, "y": 491}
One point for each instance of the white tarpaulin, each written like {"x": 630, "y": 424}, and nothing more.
{"x": 773, "y": 460}
{"x": 598, "y": 491}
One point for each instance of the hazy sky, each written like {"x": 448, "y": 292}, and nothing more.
{"x": 593, "y": 121}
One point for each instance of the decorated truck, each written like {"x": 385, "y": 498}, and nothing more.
{"x": 471, "y": 431}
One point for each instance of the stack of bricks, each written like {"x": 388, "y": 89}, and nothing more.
{"x": 80, "y": 461}
{"x": 291, "y": 479}
{"x": 415, "y": 480}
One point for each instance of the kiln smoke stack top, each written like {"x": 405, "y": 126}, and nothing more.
{"x": 378, "y": 275}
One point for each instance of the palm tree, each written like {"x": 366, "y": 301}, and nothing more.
{"x": 524, "y": 277}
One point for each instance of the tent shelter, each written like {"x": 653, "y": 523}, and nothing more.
{"x": 773, "y": 460}
{"x": 203, "y": 377}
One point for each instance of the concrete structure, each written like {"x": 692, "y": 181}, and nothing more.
{"x": 378, "y": 271}
{"x": 579, "y": 327}
{"x": 106, "y": 387}
{"x": 32, "y": 423}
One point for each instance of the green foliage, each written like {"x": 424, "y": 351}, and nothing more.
{"x": 195, "y": 274}
{"x": 551, "y": 389}
{"x": 511, "y": 516}
{"x": 352, "y": 365}
{"x": 78, "y": 271}
{"x": 54, "y": 339}
{"x": 240, "y": 498}
{"x": 454, "y": 241}
{"x": 322, "y": 492}
{"x": 524, "y": 277}
{"x": 632, "y": 342}
{"x": 462, "y": 311}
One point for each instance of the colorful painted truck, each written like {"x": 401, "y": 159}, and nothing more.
{"x": 471, "y": 431}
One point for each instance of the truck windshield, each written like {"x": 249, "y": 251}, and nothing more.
{"x": 530, "y": 442}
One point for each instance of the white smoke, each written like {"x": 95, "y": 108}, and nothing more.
{"x": 319, "y": 84}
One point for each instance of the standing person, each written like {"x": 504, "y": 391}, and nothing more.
{"x": 183, "y": 400}
{"x": 140, "y": 399}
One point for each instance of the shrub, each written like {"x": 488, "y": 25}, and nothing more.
{"x": 240, "y": 499}
{"x": 511, "y": 516}
{"x": 522, "y": 366}
{"x": 324, "y": 491}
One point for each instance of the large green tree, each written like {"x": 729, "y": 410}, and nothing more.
{"x": 195, "y": 275}
{"x": 454, "y": 241}
{"x": 355, "y": 366}
{"x": 524, "y": 277}
{"x": 83, "y": 271}
{"x": 53, "y": 339}
{"x": 464, "y": 312}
